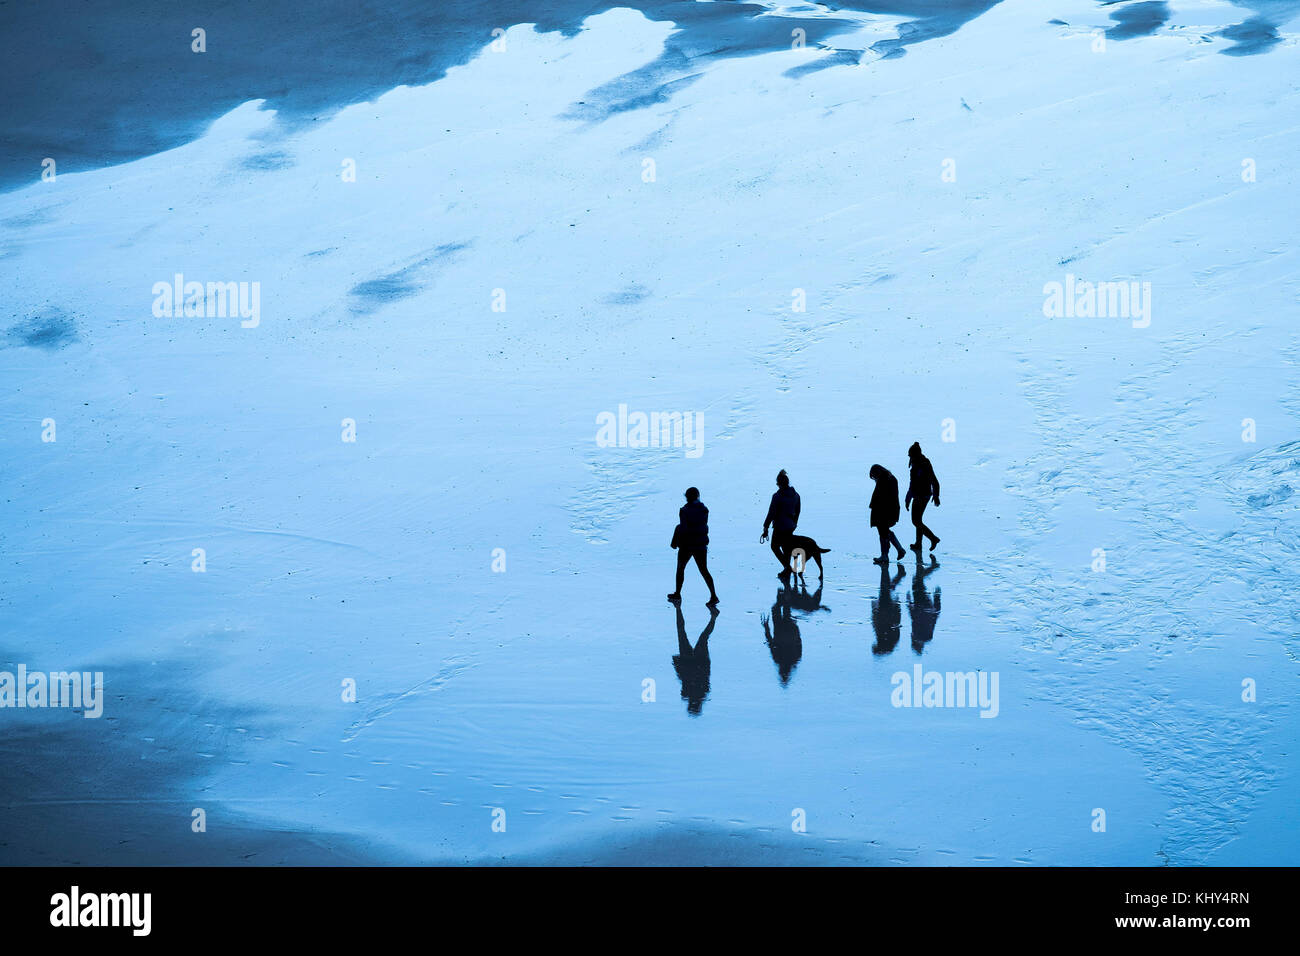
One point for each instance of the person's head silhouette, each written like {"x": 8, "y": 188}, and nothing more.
{"x": 782, "y": 479}
{"x": 914, "y": 452}
{"x": 874, "y": 473}
{"x": 692, "y": 494}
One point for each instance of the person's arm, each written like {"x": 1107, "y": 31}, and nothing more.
{"x": 771, "y": 516}
{"x": 796, "y": 507}
{"x": 934, "y": 485}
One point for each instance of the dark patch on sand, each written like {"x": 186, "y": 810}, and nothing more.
{"x": 934, "y": 18}
{"x": 41, "y": 216}
{"x": 1138, "y": 19}
{"x": 403, "y": 283}
{"x": 834, "y": 58}
{"x": 265, "y": 162}
{"x": 633, "y": 91}
{"x": 1251, "y": 37}
{"x": 51, "y": 329}
{"x": 629, "y": 295}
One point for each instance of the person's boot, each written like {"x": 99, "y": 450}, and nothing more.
{"x": 675, "y": 597}
{"x": 882, "y": 560}
{"x": 934, "y": 544}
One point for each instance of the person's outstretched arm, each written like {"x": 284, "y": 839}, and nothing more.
{"x": 934, "y": 485}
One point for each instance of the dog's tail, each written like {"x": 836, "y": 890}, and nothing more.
{"x": 823, "y": 550}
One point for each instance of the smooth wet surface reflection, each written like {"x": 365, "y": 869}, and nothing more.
{"x": 692, "y": 662}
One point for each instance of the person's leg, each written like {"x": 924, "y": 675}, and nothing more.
{"x": 934, "y": 538}
{"x": 702, "y": 562}
{"x": 683, "y": 555}
{"x": 776, "y": 549}
{"x": 918, "y": 510}
{"x": 782, "y": 545}
{"x": 893, "y": 538}
{"x": 921, "y": 529}
{"x": 884, "y": 534}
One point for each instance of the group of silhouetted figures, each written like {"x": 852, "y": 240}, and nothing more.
{"x": 780, "y": 628}
{"x": 691, "y": 536}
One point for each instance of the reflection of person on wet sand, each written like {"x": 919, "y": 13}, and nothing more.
{"x": 924, "y": 611}
{"x": 783, "y": 637}
{"x": 886, "y": 614}
{"x": 692, "y": 663}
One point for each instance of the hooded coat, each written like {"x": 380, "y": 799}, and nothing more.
{"x": 884, "y": 500}
{"x": 783, "y": 512}
{"x": 923, "y": 484}
{"x": 694, "y": 518}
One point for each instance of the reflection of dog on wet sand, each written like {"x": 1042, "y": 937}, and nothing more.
{"x": 803, "y": 545}
{"x": 799, "y": 599}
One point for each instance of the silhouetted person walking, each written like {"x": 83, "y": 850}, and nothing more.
{"x": 884, "y": 511}
{"x": 782, "y": 637}
{"x": 691, "y": 539}
{"x": 922, "y": 487}
{"x": 692, "y": 663}
{"x": 783, "y": 516}
{"x": 924, "y": 611}
{"x": 886, "y": 614}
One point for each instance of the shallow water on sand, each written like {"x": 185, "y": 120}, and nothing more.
{"x": 91, "y": 85}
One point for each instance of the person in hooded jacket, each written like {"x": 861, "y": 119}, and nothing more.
{"x": 783, "y": 517}
{"x": 922, "y": 487}
{"x": 691, "y": 539}
{"x": 884, "y": 511}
